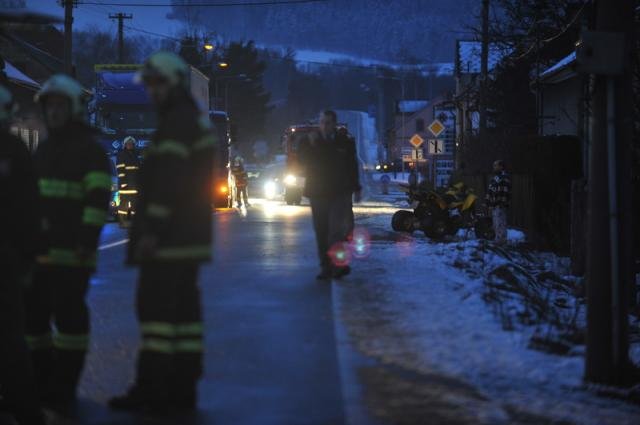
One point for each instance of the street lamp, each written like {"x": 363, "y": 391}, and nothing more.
{"x": 223, "y": 64}
{"x": 209, "y": 47}
{"x": 227, "y": 79}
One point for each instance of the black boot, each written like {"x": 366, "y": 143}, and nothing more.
{"x": 325, "y": 274}
{"x": 137, "y": 399}
{"x": 341, "y": 272}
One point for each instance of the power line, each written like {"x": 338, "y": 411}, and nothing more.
{"x": 234, "y": 4}
{"x": 156, "y": 34}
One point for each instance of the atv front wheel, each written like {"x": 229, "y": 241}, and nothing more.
{"x": 438, "y": 230}
{"x": 402, "y": 221}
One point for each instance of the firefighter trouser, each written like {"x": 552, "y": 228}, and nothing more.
{"x": 242, "y": 194}
{"x": 332, "y": 222}
{"x": 168, "y": 307}
{"x": 127, "y": 204}
{"x": 57, "y": 296}
{"x": 17, "y": 382}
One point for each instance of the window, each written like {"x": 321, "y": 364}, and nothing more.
{"x": 419, "y": 125}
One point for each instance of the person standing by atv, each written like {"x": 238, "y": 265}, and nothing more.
{"x": 332, "y": 178}
{"x": 127, "y": 164}
{"x": 498, "y": 200}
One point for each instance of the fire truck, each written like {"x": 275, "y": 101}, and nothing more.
{"x": 122, "y": 108}
{"x": 222, "y": 193}
{"x": 293, "y": 179}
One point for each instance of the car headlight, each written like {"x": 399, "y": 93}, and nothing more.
{"x": 270, "y": 190}
{"x": 290, "y": 180}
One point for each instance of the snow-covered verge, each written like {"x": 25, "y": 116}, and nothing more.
{"x": 473, "y": 312}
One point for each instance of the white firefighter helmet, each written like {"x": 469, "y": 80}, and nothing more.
{"x": 65, "y": 86}
{"x": 129, "y": 139}
{"x": 166, "y": 65}
{"x": 7, "y": 107}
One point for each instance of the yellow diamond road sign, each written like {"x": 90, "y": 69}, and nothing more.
{"x": 436, "y": 127}
{"x": 416, "y": 141}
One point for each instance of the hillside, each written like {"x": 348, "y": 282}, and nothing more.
{"x": 394, "y": 30}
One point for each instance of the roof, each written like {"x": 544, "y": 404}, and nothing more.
{"x": 469, "y": 53}
{"x": 411, "y": 106}
{"x": 566, "y": 63}
{"x": 50, "y": 62}
{"x": 28, "y": 17}
{"x": 16, "y": 76}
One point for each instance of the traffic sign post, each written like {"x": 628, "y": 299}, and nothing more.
{"x": 436, "y": 146}
{"x": 436, "y": 128}
{"x": 416, "y": 141}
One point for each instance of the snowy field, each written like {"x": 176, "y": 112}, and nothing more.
{"x": 430, "y": 308}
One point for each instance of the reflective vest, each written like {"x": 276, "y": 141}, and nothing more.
{"x": 74, "y": 182}
{"x": 175, "y": 200}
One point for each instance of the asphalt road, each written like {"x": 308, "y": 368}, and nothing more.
{"x": 271, "y": 351}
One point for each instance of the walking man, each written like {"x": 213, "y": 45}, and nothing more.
{"x": 498, "y": 200}
{"x": 75, "y": 184}
{"x": 170, "y": 238}
{"x": 332, "y": 178}
{"x": 19, "y": 223}
{"x": 127, "y": 164}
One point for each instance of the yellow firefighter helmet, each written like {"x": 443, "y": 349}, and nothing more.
{"x": 166, "y": 65}
{"x": 129, "y": 139}
{"x": 65, "y": 86}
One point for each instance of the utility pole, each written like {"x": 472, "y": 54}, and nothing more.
{"x": 120, "y": 17}
{"x": 606, "y": 54}
{"x": 68, "y": 34}
{"x": 484, "y": 68}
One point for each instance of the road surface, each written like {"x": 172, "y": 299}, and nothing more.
{"x": 271, "y": 351}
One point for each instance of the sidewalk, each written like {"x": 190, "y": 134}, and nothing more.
{"x": 442, "y": 348}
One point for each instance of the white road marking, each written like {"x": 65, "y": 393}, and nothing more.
{"x": 114, "y": 244}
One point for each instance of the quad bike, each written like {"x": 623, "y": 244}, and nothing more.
{"x": 439, "y": 213}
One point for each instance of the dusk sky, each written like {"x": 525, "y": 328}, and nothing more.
{"x": 148, "y": 18}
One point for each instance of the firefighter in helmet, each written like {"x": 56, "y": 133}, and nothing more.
{"x": 74, "y": 182}
{"x": 19, "y": 224}
{"x": 170, "y": 238}
{"x": 127, "y": 165}
{"x": 241, "y": 180}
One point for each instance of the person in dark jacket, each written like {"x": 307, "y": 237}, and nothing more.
{"x": 170, "y": 238}
{"x": 19, "y": 224}
{"x": 74, "y": 183}
{"x": 127, "y": 165}
{"x": 332, "y": 178}
{"x": 498, "y": 200}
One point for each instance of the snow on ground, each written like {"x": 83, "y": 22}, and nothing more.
{"x": 415, "y": 307}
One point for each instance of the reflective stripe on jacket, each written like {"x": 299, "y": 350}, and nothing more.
{"x": 75, "y": 185}
{"x": 174, "y": 204}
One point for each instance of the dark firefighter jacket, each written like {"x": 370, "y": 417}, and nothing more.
{"x": 174, "y": 205}
{"x": 75, "y": 186}
{"x": 19, "y": 219}
{"x": 330, "y": 166}
{"x": 127, "y": 165}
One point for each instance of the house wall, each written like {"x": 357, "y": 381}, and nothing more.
{"x": 438, "y": 168}
{"x": 560, "y": 108}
